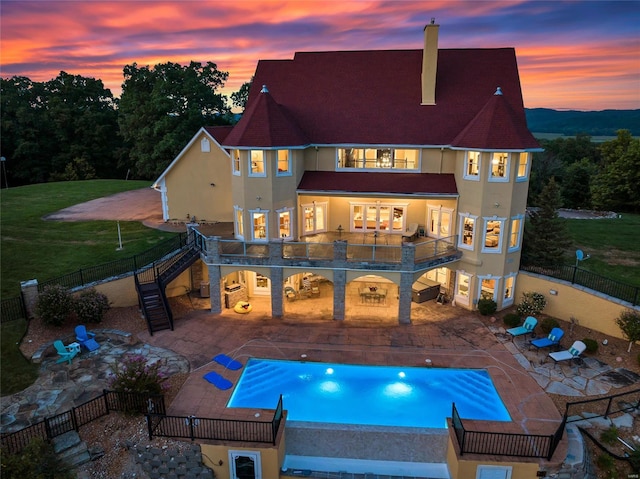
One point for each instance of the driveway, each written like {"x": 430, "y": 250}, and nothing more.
{"x": 142, "y": 205}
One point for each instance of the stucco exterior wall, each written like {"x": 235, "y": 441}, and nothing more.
{"x": 461, "y": 468}
{"x": 592, "y": 311}
{"x": 189, "y": 184}
{"x": 270, "y": 459}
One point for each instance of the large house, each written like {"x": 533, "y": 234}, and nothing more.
{"x": 400, "y": 168}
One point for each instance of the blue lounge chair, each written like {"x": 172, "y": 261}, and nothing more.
{"x": 572, "y": 353}
{"x": 86, "y": 339}
{"x": 527, "y": 328}
{"x": 65, "y": 352}
{"x": 552, "y": 340}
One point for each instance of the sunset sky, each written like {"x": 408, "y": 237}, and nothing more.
{"x": 582, "y": 55}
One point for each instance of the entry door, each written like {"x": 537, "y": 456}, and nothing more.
{"x": 439, "y": 224}
{"x": 245, "y": 465}
{"x": 315, "y": 218}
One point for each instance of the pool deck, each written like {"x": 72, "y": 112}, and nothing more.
{"x": 448, "y": 336}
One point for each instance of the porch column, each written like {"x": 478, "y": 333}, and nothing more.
{"x": 277, "y": 296}
{"x": 339, "y": 289}
{"x": 212, "y": 247}
{"x": 404, "y": 300}
{"x": 215, "y": 294}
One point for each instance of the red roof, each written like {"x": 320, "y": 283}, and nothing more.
{"x": 496, "y": 126}
{"x": 412, "y": 184}
{"x": 265, "y": 123}
{"x": 219, "y": 133}
{"x": 373, "y": 98}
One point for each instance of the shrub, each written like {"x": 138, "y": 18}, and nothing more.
{"x": 136, "y": 376}
{"x": 54, "y": 305}
{"x": 487, "y": 306}
{"x": 634, "y": 460}
{"x": 547, "y": 324}
{"x": 532, "y": 304}
{"x": 591, "y": 344}
{"x": 36, "y": 461}
{"x": 606, "y": 463}
{"x": 609, "y": 436}
{"x": 90, "y": 306}
{"x": 512, "y": 320}
{"x": 629, "y": 323}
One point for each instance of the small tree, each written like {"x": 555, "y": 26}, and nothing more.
{"x": 629, "y": 323}
{"x": 546, "y": 239}
{"x": 90, "y": 306}
{"x": 54, "y": 305}
{"x": 532, "y": 304}
{"x": 37, "y": 460}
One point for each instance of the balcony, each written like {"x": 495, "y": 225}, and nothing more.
{"x": 359, "y": 251}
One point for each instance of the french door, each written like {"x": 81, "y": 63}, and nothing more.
{"x": 314, "y": 217}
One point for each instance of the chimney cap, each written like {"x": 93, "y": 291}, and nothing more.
{"x": 433, "y": 20}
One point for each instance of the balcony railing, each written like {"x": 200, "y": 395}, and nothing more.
{"x": 407, "y": 256}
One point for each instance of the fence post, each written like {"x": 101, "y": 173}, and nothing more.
{"x": 573, "y": 277}
{"x": 606, "y": 413}
{"x": 81, "y": 279}
{"x": 106, "y": 401}
{"x": 74, "y": 420}
{"x": 149, "y": 428}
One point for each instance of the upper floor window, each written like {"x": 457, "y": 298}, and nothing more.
{"x": 515, "y": 233}
{"x": 523, "y": 167}
{"x": 380, "y": 158}
{"x": 494, "y": 231}
{"x": 285, "y": 223}
{"x": 499, "y": 167}
{"x": 472, "y": 166}
{"x": 284, "y": 162}
{"x": 259, "y": 225}
{"x": 235, "y": 162}
{"x": 257, "y": 163}
{"x": 205, "y": 145}
{"x": 238, "y": 222}
{"x": 467, "y": 231}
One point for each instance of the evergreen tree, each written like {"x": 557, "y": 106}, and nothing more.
{"x": 545, "y": 237}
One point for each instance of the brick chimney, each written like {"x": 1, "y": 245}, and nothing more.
{"x": 430, "y": 63}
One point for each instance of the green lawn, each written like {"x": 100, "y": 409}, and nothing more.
{"x": 16, "y": 372}
{"x": 612, "y": 244}
{"x": 32, "y": 248}
{"x": 36, "y": 249}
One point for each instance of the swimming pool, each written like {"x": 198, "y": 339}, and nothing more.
{"x": 368, "y": 395}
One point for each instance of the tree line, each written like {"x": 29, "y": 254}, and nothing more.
{"x": 589, "y": 175}
{"x": 73, "y": 128}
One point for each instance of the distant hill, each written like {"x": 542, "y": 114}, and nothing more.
{"x": 592, "y": 123}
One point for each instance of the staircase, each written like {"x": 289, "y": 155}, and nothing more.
{"x": 152, "y": 282}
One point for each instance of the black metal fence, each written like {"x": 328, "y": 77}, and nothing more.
{"x": 77, "y": 417}
{"x": 118, "y": 267}
{"x": 12, "y": 309}
{"x": 192, "y": 427}
{"x": 617, "y": 403}
{"x": 503, "y": 443}
{"x": 596, "y": 282}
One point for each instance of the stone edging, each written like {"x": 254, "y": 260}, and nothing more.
{"x": 124, "y": 336}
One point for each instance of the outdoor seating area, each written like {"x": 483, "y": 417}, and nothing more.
{"x": 373, "y": 294}
{"x": 553, "y": 339}
{"x": 527, "y": 328}
{"x": 574, "y": 352}
{"x": 66, "y": 353}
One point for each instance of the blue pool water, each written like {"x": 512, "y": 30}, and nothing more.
{"x": 368, "y": 395}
